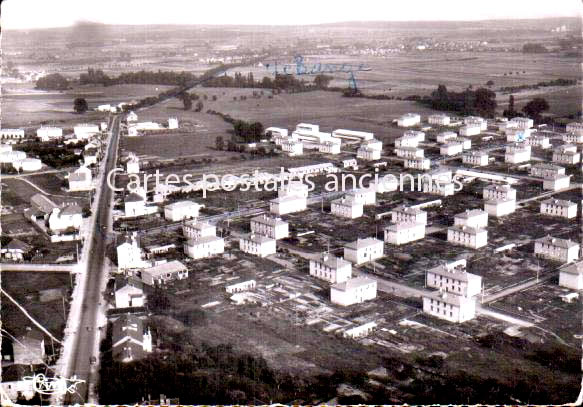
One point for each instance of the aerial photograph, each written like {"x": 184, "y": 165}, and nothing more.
{"x": 306, "y": 203}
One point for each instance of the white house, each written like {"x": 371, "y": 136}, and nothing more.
{"x": 451, "y": 148}
{"x": 466, "y": 142}
{"x": 365, "y": 196}
{"x": 85, "y": 131}
{"x": 406, "y": 214}
{"x": 331, "y": 268}
{"x": 272, "y": 227}
{"x": 360, "y": 331}
{"x": 467, "y": 236}
{"x": 517, "y": 153}
{"x": 521, "y": 122}
{"x": 28, "y": 164}
{"x": 499, "y": 192}
{"x": 276, "y": 132}
{"x": 353, "y": 291}
{"x": 409, "y": 152}
{"x": 257, "y": 245}
{"x": 350, "y": 163}
{"x": 70, "y": 216}
{"x": 240, "y": 287}
{"x": 48, "y": 133}
{"x": 407, "y": 141}
{"x": 408, "y": 120}
{"x": 172, "y": 123}
{"x": 475, "y": 218}
{"x": 132, "y": 131}
{"x": 386, "y": 183}
{"x": 556, "y": 182}
{"x": 352, "y": 135}
{"x": 566, "y": 154}
{"x": 554, "y": 248}
{"x": 90, "y": 157}
{"x": 204, "y": 246}
{"x": 573, "y": 138}
{"x": 11, "y": 156}
{"x": 133, "y": 165}
{"x": 572, "y": 276}
{"x": 514, "y": 135}
{"x": 538, "y": 141}
{"x": 470, "y": 130}
{"x": 479, "y": 158}
{"x": 135, "y": 205}
{"x": 181, "y": 210}
{"x": 417, "y": 163}
{"x": 146, "y": 126}
{"x": 500, "y": 207}
{"x": 404, "y": 232}
{"x": 347, "y": 207}
{"x": 130, "y": 255}
{"x": 196, "y": 230}
{"x": 299, "y": 172}
{"x": 558, "y": 207}
{"x": 329, "y": 147}
{"x": 438, "y": 119}
{"x": 445, "y": 136}
{"x": 364, "y": 250}
{"x": 292, "y": 147}
{"x": 131, "y": 117}
{"x": 451, "y": 307}
{"x": 575, "y": 128}
{"x": 419, "y": 135}
{"x": 476, "y": 120}
{"x": 453, "y": 278}
{"x": 129, "y": 293}
{"x": 80, "y": 180}
{"x": 368, "y": 154}
{"x": 546, "y": 170}
{"x": 294, "y": 188}
{"x": 164, "y": 273}
{"x": 287, "y": 204}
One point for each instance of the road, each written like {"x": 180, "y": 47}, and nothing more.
{"x": 87, "y": 335}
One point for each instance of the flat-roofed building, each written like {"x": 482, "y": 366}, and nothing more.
{"x": 347, "y": 207}
{"x": 292, "y": 147}
{"x": 554, "y": 248}
{"x": 575, "y": 127}
{"x": 352, "y": 135}
{"x": 164, "y": 273}
{"x": 196, "y": 230}
{"x": 365, "y": 196}
{"x": 538, "y": 140}
{"x": 85, "y": 130}
{"x": 499, "y": 192}
{"x": 364, "y": 250}
{"x": 409, "y": 152}
{"x": 469, "y": 130}
{"x": 353, "y": 291}
{"x": 417, "y": 163}
{"x": 475, "y": 218}
{"x": 287, "y": 204}
{"x": 360, "y": 331}
{"x": 445, "y": 136}
{"x": 556, "y": 182}
{"x": 406, "y": 214}
{"x": 331, "y": 268}
{"x": 517, "y": 153}
{"x": 467, "y": 236}
{"x": 572, "y": 276}
{"x": 329, "y": 147}
{"x": 407, "y": 141}
{"x": 181, "y": 210}
{"x": 451, "y": 148}
{"x": 476, "y": 120}
{"x": 500, "y": 207}
{"x": 49, "y": 133}
{"x": 368, "y": 154}
{"x": 438, "y": 119}
{"x": 419, "y": 135}
{"x": 558, "y": 207}
{"x": 270, "y": 226}
{"x": 566, "y": 154}
{"x": 276, "y": 132}
{"x": 466, "y": 142}
{"x": 453, "y": 278}
{"x": 479, "y": 158}
{"x": 522, "y": 122}
{"x": 451, "y": 307}
{"x": 545, "y": 170}
{"x": 240, "y": 287}
{"x": 573, "y": 138}
{"x": 404, "y": 232}
{"x": 409, "y": 120}
{"x": 257, "y": 245}
{"x": 294, "y": 188}
{"x": 11, "y": 136}
{"x": 514, "y": 135}
{"x": 204, "y": 247}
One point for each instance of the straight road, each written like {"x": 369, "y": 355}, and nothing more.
{"x": 87, "y": 335}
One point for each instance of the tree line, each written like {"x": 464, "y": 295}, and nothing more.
{"x": 480, "y": 102}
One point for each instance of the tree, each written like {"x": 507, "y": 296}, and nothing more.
{"x": 53, "y": 81}
{"x": 510, "y": 112}
{"x": 186, "y": 100}
{"x": 199, "y": 106}
{"x": 490, "y": 83}
{"x": 321, "y": 81}
{"x": 80, "y": 105}
{"x": 219, "y": 143}
{"x": 535, "y": 107}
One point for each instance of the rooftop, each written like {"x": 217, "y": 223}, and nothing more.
{"x": 353, "y": 283}
{"x": 332, "y": 261}
{"x": 558, "y": 242}
{"x": 362, "y": 243}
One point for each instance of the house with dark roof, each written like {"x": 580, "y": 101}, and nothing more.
{"x": 129, "y": 340}
{"x": 16, "y": 250}
{"x": 129, "y": 293}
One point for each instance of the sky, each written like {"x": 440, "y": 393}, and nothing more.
{"x": 29, "y": 14}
